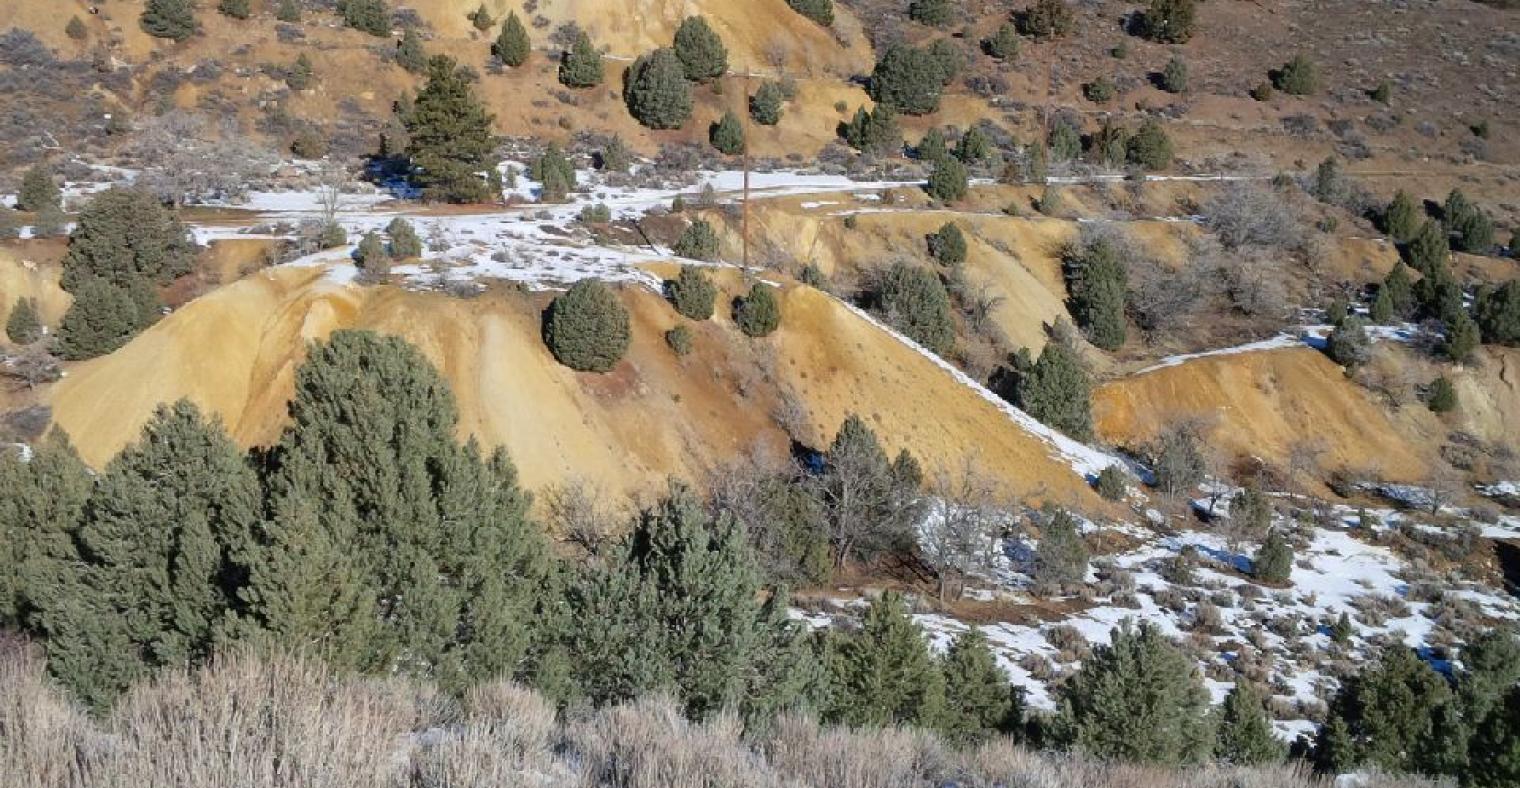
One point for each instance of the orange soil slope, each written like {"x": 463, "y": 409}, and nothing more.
{"x": 30, "y": 270}
{"x": 1259, "y": 404}
{"x": 235, "y": 350}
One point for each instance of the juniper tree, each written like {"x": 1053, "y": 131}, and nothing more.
{"x": 369, "y": 16}
{"x": 1384, "y": 713}
{"x": 978, "y": 698}
{"x": 1462, "y": 337}
{"x": 1061, "y": 556}
{"x": 692, "y": 293}
{"x": 699, "y": 241}
{"x": 1399, "y": 291}
{"x": 41, "y": 503}
{"x": 1471, "y": 230}
{"x": 404, "y": 241}
{"x": 124, "y": 236}
{"x": 371, "y": 253}
{"x": 1348, "y": 344}
{"x": 947, "y": 245}
{"x": 76, "y": 29}
{"x": 656, "y": 91}
{"x": 1273, "y": 563}
{"x": 681, "y": 609}
{"x": 159, "y": 541}
{"x": 1169, "y": 21}
{"x": 1441, "y": 396}
{"x": 236, "y": 9}
{"x": 820, "y": 11}
{"x": 38, "y": 191}
{"x": 701, "y": 52}
{"x": 1138, "y": 699}
{"x": 1004, "y": 44}
{"x": 512, "y": 45}
{"x": 931, "y": 147}
{"x": 23, "y": 326}
{"x": 1498, "y": 313}
{"x": 1428, "y": 251}
{"x": 1048, "y": 19}
{"x": 1065, "y": 141}
{"x": 1178, "y": 458}
{"x": 103, "y": 317}
{"x": 449, "y": 132}
{"x": 580, "y": 66}
{"x": 884, "y": 673}
{"x": 1174, "y": 77}
{"x": 765, "y": 105}
{"x": 1250, "y": 512}
{"x": 1098, "y": 283}
{"x": 1056, "y": 390}
{"x": 727, "y": 135}
{"x": 862, "y": 495}
{"x": 387, "y": 545}
{"x": 1150, "y": 147}
{"x": 1490, "y": 666}
{"x": 1297, "y": 77}
{"x": 1245, "y": 736}
{"x": 300, "y": 73}
{"x": 1401, "y": 219}
{"x": 172, "y": 19}
{"x": 587, "y": 329}
{"x": 1495, "y": 746}
{"x": 935, "y": 13}
{"x": 555, "y": 174}
{"x": 289, "y": 11}
{"x": 872, "y": 131}
{"x": 410, "y": 54}
{"x": 1111, "y": 484}
{"x": 481, "y": 18}
{"x": 909, "y": 80}
{"x": 915, "y": 303}
{"x": 973, "y": 147}
{"x": 758, "y": 313}
{"x": 948, "y": 181}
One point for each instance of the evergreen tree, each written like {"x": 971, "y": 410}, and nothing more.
{"x": 102, "y": 318}
{"x": 125, "y": 236}
{"x": 1251, "y": 513}
{"x": 931, "y": 147}
{"x": 1399, "y": 291}
{"x": 820, "y": 11}
{"x": 172, "y": 19}
{"x": 289, "y": 11}
{"x": 410, "y": 54}
{"x": 699, "y": 241}
{"x": 915, "y": 303}
{"x": 300, "y": 73}
{"x": 682, "y": 610}
{"x": 236, "y": 9}
{"x": 765, "y": 105}
{"x": 1490, "y": 666}
{"x": 978, "y": 698}
{"x": 38, "y": 191}
{"x": 947, "y": 245}
{"x": 23, "y": 327}
{"x": 1496, "y": 745}
{"x": 702, "y": 54}
{"x": 555, "y": 174}
{"x": 369, "y": 16}
{"x": 160, "y": 543}
{"x": 909, "y": 80}
{"x": 1245, "y": 736}
{"x": 1098, "y": 283}
{"x": 1065, "y": 142}
{"x": 1498, "y": 312}
{"x": 949, "y": 180}
{"x": 1178, "y": 457}
{"x": 587, "y": 329}
{"x": 884, "y": 674}
{"x": 1150, "y": 147}
{"x": 1428, "y": 250}
{"x": 451, "y": 144}
{"x": 1004, "y": 44}
{"x": 1441, "y": 397}
{"x": 1061, "y": 556}
{"x": 1273, "y": 563}
{"x": 935, "y": 13}
{"x": 1401, "y": 219}
{"x": 1297, "y": 77}
{"x": 1169, "y": 21}
{"x": 404, "y": 241}
{"x": 1462, "y": 338}
{"x": 759, "y": 313}
{"x": 581, "y": 65}
{"x": 42, "y": 501}
{"x": 873, "y": 131}
{"x": 1111, "y": 484}
{"x": 973, "y": 147}
{"x": 656, "y": 91}
{"x": 1138, "y": 699}
{"x": 512, "y": 46}
{"x": 1056, "y": 390}
{"x": 387, "y": 545}
{"x": 1174, "y": 77}
{"x": 1348, "y": 344}
{"x": 481, "y": 18}
{"x": 1048, "y": 19}
{"x": 76, "y": 29}
{"x": 692, "y": 293}
{"x": 371, "y": 254}
{"x": 727, "y": 135}
{"x": 1471, "y": 230}
{"x": 1385, "y": 713}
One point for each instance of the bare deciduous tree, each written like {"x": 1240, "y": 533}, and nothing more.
{"x": 184, "y": 157}
{"x": 577, "y": 511}
{"x": 968, "y": 512}
{"x": 1252, "y": 214}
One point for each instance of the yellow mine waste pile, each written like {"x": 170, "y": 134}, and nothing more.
{"x": 234, "y": 352}
{"x": 1261, "y": 404}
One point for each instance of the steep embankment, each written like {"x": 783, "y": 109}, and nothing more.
{"x": 29, "y": 269}
{"x": 234, "y": 352}
{"x": 1263, "y": 403}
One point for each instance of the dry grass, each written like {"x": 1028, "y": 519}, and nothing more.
{"x": 282, "y": 722}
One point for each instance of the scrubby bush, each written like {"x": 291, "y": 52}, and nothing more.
{"x": 370, "y": 16}
{"x": 935, "y": 13}
{"x": 947, "y": 245}
{"x": 288, "y": 11}
{"x": 1348, "y": 344}
{"x": 1273, "y": 563}
{"x": 300, "y": 74}
{"x": 1004, "y": 44}
{"x": 24, "y": 326}
{"x": 765, "y": 105}
{"x": 587, "y": 328}
{"x": 657, "y": 93}
{"x": 1048, "y": 19}
{"x": 700, "y": 50}
{"x": 699, "y": 241}
{"x": 873, "y": 131}
{"x": 1263, "y": 92}
{"x": 680, "y": 340}
{"x": 172, "y": 19}
{"x": 555, "y": 174}
{"x": 1297, "y": 77}
{"x": 727, "y": 135}
{"x": 595, "y": 214}
{"x": 236, "y": 9}
{"x": 1441, "y": 397}
{"x": 1111, "y": 484}
{"x": 692, "y": 293}
{"x": 1174, "y": 77}
{"x": 38, "y": 191}
{"x": 1061, "y": 556}
{"x": 404, "y": 241}
{"x": 76, "y": 29}
{"x": 1150, "y": 147}
{"x": 1169, "y": 21}
{"x": 481, "y": 18}
{"x": 1100, "y": 90}
{"x": 512, "y": 46}
{"x": 371, "y": 253}
{"x": 915, "y": 303}
{"x": 758, "y": 314}
{"x": 410, "y": 53}
{"x": 581, "y": 65}
{"x": 820, "y": 11}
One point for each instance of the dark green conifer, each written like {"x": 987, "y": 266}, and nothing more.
{"x": 588, "y": 329}
{"x": 884, "y": 674}
{"x": 410, "y": 54}
{"x": 727, "y": 135}
{"x": 978, "y": 699}
{"x": 1057, "y": 391}
{"x": 1273, "y": 563}
{"x": 581, "y": 65}
{"x": 512, "y": 46}
{"x": 765, "y": 105}
{"x": 947, "y": 245}
{"x": 23, "y": 326}
{"x": 915, "y": 303}
{"x": 1098, "y": 283}
{"x": 451, "y": 143}
{"x": 692, "y": 293}
{"x": 1401, "y": 219}
{"x": 701, "y": 52}
{"x": 172, "y": 19}
{"x": 1245, "y": 736}
{"x": 38, "y": 191}
{"x": 1061, "y": 557}
{"x": 656, "y": 91}
{"x": 759, "y": 313}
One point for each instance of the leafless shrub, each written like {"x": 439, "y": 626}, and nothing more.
{"x": 578, "y": 512}
{"x": 185, "y": 157}
{"x": 1247, "y": 213}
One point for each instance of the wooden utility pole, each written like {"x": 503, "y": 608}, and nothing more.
{"x": 744, "y": 213}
